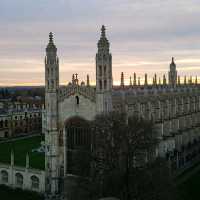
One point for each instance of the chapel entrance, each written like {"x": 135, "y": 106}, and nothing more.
{"x": 77, "y": 146}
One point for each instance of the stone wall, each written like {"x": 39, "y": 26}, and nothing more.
{"x": 21, "y": 177}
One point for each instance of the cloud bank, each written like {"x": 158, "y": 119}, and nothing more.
{"x": 144, "y": 35}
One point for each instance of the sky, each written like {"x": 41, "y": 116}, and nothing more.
{"x": 143, "y": 34}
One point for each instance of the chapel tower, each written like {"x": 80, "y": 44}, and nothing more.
{"x": 103, "y": 75}
{"x": 172, "y": 74}
{"x": 51, "y": 107}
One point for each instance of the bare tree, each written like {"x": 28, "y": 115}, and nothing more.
{"x": 123, "y": 161}
{"x": 123, "y": 147}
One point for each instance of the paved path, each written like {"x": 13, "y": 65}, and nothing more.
{"x": 19, "y": 138}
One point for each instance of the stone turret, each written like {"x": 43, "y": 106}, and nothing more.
{"x": 155, "y": 79}
{"x": 172, "y": 74}
{"x": 145, "y": 79}
{"x": 164, "y": 80}
{"x": 130, "y": 81}
{"x": 185, "y": 80}
{"x": 139, "y": 81}
{"x": 51, "y": 109}
{"x": 88, "y": 80}
{"x": 51, "y": 67}
{"x": 179, "y": 80}
{"x": 122, "y": 79}
{"x": 73, "y": 79}
{"x": 103, "y": 74}
{"x": 190, "y": 81}
{"x": 134, "y": 79}
{"x": 196, "y": 80}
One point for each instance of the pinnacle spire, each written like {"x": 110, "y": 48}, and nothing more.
{"x": 51, "y": 45}
{"x": 122, "y": 79}
{"x": 173, "y": 62}
{"x": 179, "y": 80}
{"x": 134, "y": 79}
{"x": 164, "y": 80}
{"x": 185, "y": 80}
{"x": 130, "y": 83}
{"x": 103, "y": 31}
{"x": 88, "y": 80}
{"x": 50, "y": 37}
{"x": 103, "y": 43}
{"x": 145, "y": 80}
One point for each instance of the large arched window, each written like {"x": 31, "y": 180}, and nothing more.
{"x": 35, "y": 182}
{"x": 1, "y": 123}
{"x": 105, "y": 84}
{"x": 77, "y": 100}
{"x": 100, "y": 70}
{"x": 104, "y": 70}
{"x": 18, "y": 180}
{"x": 4, "y": 176}
{"x": 6, "y": 123}
{"x": 100, "y": 84}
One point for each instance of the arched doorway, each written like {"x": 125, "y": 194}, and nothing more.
{"x": 35, "y": 182}
{"x": 19, "y": 179}
{"x": 77, "y": 146}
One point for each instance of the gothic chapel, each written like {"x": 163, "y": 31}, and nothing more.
{"x": 173, "y": 106}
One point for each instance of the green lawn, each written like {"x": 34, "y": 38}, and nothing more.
{"x": 20, "y": 148}
{"x": 7, "y": 193}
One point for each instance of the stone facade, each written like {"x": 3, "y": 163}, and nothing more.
{"x": 18, "y": 118}
{"x": 173, "y": 107}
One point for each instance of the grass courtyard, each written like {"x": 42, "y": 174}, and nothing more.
{"x": 20, "y": 147}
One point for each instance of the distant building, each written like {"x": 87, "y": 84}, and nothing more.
{"x": 173, "y": 106}
{"x": 20, "y": 118}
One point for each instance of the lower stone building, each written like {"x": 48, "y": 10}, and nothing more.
{"x": 25, "y": 178}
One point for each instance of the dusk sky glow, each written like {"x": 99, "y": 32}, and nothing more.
{"x": 144, "y": 35}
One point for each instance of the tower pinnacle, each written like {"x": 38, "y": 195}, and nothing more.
{"x": 51, "y": 46}
{"x": 122, "y": 79}
{"x": 50, "y": 37}
{"x": 173, "y": 64}
{"x": 103, "y": 43}
{"x": 172, "y": 73}
{"x": 103, "y": 31}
